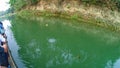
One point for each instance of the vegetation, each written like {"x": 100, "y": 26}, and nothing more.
{"x": 111, "y": 4}
{"x": 89, "y": 18}
{"x": 19, "y": 4}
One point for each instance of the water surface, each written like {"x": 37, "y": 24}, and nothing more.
{"x": 59, "y": 43}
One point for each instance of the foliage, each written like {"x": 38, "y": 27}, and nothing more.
{"x": 111, "y": 4}
{"x": 19, "y": 4}
{"x": 118, "y": 4}
{"x": 34, "y": 1}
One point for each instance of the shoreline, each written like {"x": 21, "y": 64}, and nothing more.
{"x": 29, "y": 14}
{"x": 102, "y": 16}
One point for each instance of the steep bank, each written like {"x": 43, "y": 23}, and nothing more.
{"x": 103, "y": 17}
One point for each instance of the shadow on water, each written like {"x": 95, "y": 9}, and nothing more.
{"x": 58, "y": 43}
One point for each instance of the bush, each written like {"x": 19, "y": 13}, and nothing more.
{"x": 118, "y": 4}
{"x": 34, "y": 1}
{"x": 19, "y": 4}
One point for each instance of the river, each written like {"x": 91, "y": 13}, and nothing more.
{"x": 49, "y": 42}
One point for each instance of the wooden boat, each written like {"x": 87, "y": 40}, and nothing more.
{"x": 11, "y": 60}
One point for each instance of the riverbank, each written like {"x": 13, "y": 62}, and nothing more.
{"x": 99, "y": 13}
{"x": 30, "y": 14}
{"x": 102, "y": 17}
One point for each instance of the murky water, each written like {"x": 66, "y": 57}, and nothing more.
{"x": 59, "y": 43}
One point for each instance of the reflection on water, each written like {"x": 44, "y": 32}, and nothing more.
{"x": 111, "y": 64}
{"x": 12, "y": 43}
{"x": 117, "y": 64}
{"x": 6, "y": 24}
{"x": 60, "y": 43}
{"x": 51, "y": 40}
{"x": 67, "y": 58}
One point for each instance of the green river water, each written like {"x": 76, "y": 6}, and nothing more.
{"x": 49, "y": 42}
